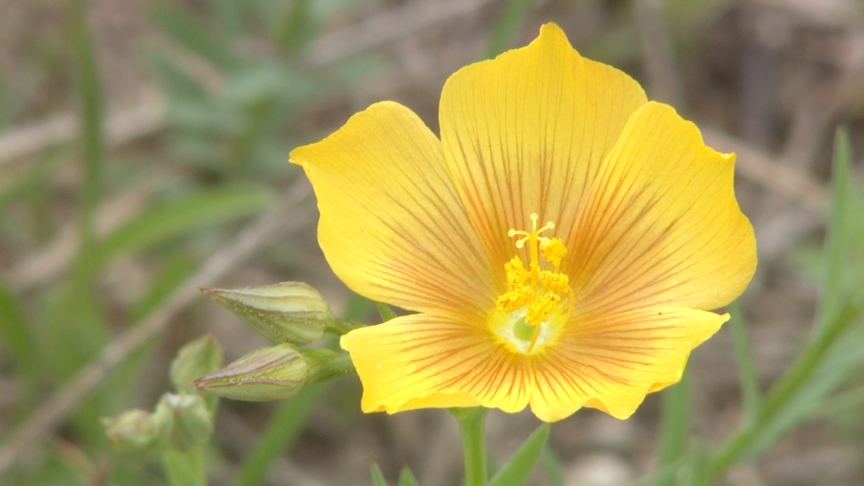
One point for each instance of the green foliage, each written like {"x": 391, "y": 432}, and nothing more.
{"x": 507, "y": 26}
{"x": 836, "y": 348}
{"x": 516, "y": 471}
{"x": 406, "y": 478}
{"x": 385, "y": 311}
{"x": 378, "y": 476}
{"x": 675, "y": 426}
{"x": 747, "y": 374}
{"x": 238, "y": 130}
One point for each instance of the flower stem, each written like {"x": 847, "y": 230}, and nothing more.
{"x": 472, "y": 423}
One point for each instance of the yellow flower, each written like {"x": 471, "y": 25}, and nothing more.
{"x": 560, "y": 244}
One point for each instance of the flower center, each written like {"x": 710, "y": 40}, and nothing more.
{"x": 538, "y": 300}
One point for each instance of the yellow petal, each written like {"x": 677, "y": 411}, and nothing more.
{"x": 391, "y": 226}
{"x": 611, "y": 363}
{"x": 526, "y": 132}
{"x": 420, "y": 361}
{"x": 661, "y": 224}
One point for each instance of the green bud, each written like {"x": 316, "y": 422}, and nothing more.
{"x": 271, "y": 373}
{"x": 133, "y": 430}
{"x": 287, "y": 312}
{"x": 183, "y": 421}
{"x": 202, "y": 356}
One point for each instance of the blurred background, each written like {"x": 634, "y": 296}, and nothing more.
{"x": 143, "y": 154}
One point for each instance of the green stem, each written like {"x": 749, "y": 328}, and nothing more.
{"x": 472, "y": 423}
{"x": 782, "y": 393}
{"x": 184, "y": 468}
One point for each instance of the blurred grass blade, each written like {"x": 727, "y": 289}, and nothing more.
{"x": 507, "y": 27}
{"x": 385, "y": 311}
{"x": 175, "y": 80}
{"x": 293, "y": 29}
{"x": 836, "y": 348}
{"x": 746, "y": 370}
{"x": 378, "y": 476}
{"x": 280, "y": 434}
{"x": 697, "y": 466}
{"x": 184, "y": 216}
{"x": 552, "y": 464}
{"x": 184, "y": 468}
{"x": 32, "y": 181}
{"x": 406, "y": 478}
{"x": 18, "y": 342}
{"x": 173, "y": 271}
{"x": 836, "y": 240}
{"x": 516, "y": 471}
{"x": 674, "y": 425}
{"x": 91, "y": 123}
{"x": 229, "y": 13}
{"x": 192, "y": 34}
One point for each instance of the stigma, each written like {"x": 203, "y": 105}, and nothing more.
{"x": 538, "y": 300}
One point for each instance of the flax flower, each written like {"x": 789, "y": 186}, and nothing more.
{"x": 560, "y": 244}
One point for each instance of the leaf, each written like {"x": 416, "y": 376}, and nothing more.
{"x": 747, "y": 374}
{"x": 280, "y": 434}
{"x": 507, "y": 27}
{"x": 837, "y": 236}
{"x": 377, "y": 476}
{"x": 17, "y": 340}
{"x": 192, "y": 34}
{"x": 516, "y": 471}
{"x": 406, "y": 477}
{"x": 184, "y": 216}
{"x": 173, "y": 271}
{"x": 175, "y": 80}
{"x": 553, "y": 467}
{"x": 675, "y": 424}
{"x": 385, "y": 311}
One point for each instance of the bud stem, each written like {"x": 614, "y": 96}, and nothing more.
{"x": 338, "y": 327}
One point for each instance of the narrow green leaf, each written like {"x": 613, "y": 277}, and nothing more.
{"x": 15, "y": 333}
{"x": 837, "y": 236}
{"x": 385, "y": 311}
{"x": 747, "y": 374}
{"x": 192, "y": 34}
{"x": 675, "y": 425}
{"x": 406, "y": 478}
{"x": 516, "y": 471}
{"x": 507, "y": 27}
{"x": 295, "y": 27}
{"x": 229, "y": 13}
{"x": 836, "y": 348}
{"x": 378, "y": 476}
{"x": 33, "y": 181}
{"x": 697, "y": 466}
{"x": 91, "y": 123}
{"x": 554, "y": 470}
{"x": 173, "y": 271}
{"x": 279, "y": 435}
{"x": 184, "y": 216}
{"x": 175, "y": 80}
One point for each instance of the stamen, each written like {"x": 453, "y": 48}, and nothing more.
{"x": 536, "y": 297}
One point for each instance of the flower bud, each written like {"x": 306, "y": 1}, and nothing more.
{"x": 270, "y": 373}
{"x": 202, "y": 356}
{"x": 291, "y": 312}
{"x": 183, "y": 421}
{"x": 132, "y": 430}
